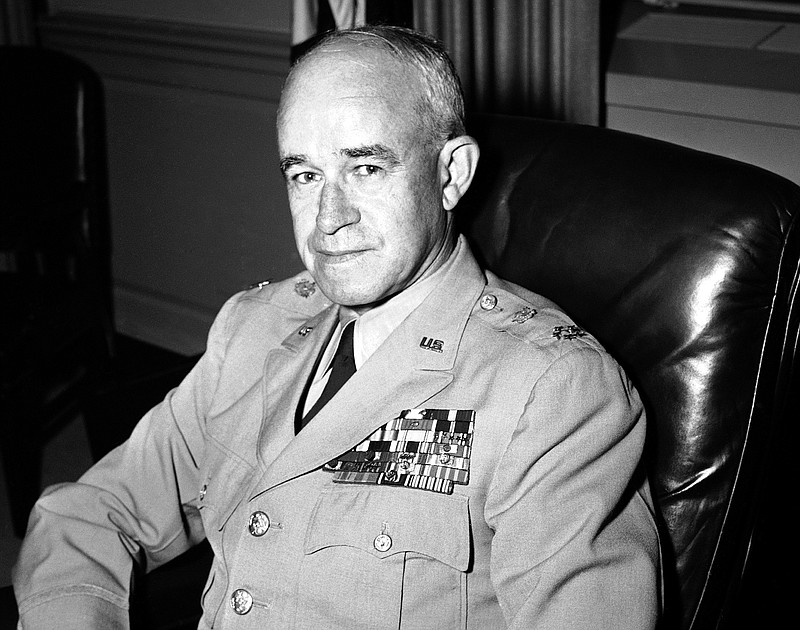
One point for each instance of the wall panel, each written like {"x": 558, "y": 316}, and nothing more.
{"x": 274, "y": 15}
{"x": 727, "y": 85}
{"x": 198, "y": 205}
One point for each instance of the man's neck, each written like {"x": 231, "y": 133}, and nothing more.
{"x": 377, "y": 323}
{"x": 443, "y": 255}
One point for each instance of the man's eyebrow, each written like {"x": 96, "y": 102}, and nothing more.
{"x": 378, "y": 151}
{"x": 291, "y": 160}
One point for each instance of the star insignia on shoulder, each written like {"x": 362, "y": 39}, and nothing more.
{"x": 305, "y": 288}
{"x": 568, "y": 332}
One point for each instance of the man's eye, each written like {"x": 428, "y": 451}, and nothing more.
{"x": 306, "y": 177}
{"x": 367, "y": 170}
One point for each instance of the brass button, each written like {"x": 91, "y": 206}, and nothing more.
{"x": 488, "y": 302}
{"x": 241, "y": 601}
{"x": 382, "y": 542}
{"x": 444, "y": 458}
{"x": 258, "y": 524}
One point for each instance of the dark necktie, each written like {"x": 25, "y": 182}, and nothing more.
{"x": 343, "y": 366}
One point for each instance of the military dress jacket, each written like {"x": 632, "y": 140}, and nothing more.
{"x": 480, "y": 470}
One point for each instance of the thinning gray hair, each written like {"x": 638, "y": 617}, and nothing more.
{"x": 441, "y": 106}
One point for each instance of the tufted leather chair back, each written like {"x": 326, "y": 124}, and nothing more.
{"x": 685, "y": 266}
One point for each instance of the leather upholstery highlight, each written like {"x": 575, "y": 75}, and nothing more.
{"x": 685, "y": 266}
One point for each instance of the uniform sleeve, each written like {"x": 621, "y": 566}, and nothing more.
{"x": 575, "y": 543}
{"x": 138, "y": 504}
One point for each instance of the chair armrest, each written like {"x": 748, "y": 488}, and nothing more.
{"x": 8, "y": 608}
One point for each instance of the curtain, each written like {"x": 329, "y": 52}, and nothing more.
{"x": 312, "y": 18}
{"x": 524, "y": 57}
{"x": 17, "y": 22}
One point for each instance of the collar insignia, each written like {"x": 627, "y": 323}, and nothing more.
{"x": 428, "y": 343}
{"x": 305, "y": 288}
{"x": 524, "y": 314}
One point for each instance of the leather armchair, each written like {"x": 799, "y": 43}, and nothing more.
{"x": 685, "y": 265}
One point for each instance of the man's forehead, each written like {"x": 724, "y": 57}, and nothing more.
{"x": 348, "y": 101}
{"x": 351, "y": 70}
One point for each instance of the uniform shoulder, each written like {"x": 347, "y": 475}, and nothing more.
{"x": 297, "y": 294}
{"x": 530, "y": 317}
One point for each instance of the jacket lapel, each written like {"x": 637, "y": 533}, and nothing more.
{"x": 406, "y": 371}
{"x": 287, "y": 370}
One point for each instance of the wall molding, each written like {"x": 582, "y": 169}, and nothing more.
{"x": 160, "y": 320}
{"x": 721, "y": 84}
{"x": 235, "y": 62}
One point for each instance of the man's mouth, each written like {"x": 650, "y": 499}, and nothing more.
{"x": 339, "y": 255}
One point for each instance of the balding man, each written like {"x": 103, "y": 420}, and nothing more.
{"x": 394, "y": 438}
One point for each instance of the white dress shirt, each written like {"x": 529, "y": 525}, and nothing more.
{"x": 374, "y": 326}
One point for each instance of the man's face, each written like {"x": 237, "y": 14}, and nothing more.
{"x": 363, "y": 182}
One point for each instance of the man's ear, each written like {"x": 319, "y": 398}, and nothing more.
{"x": 458, "y": 160}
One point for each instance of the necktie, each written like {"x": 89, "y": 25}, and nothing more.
{"x": 343, "y": 366}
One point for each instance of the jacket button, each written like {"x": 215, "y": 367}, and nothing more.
{"x": 488, "y": 302}
{"x": 258, "y": 524}
{"x": 241, "y": 601}
{"x": 382, "y": 542}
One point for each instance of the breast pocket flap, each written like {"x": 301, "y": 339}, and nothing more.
{"x": 388, "y": 521}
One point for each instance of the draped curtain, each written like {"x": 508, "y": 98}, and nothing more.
{"x": 17, "y": 22}
{"x": 523, "y": 57}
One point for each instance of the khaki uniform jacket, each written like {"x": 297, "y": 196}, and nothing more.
{"x": 553, "y": 530}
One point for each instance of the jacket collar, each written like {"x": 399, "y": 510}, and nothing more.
{"x": 411, "y": 366}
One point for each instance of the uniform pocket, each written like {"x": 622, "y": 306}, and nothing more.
{"x": 387, "y": 521}
{"x": 375, "y": 556}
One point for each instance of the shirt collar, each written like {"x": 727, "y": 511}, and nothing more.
{"x": 375, "y": 325}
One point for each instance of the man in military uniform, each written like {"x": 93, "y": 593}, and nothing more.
{"x": 393, "y": 438}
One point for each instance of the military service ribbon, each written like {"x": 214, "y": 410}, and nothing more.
{"x": 428, "y": 449}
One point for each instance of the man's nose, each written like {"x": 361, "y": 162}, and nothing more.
{"x": 335, "y": 209}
